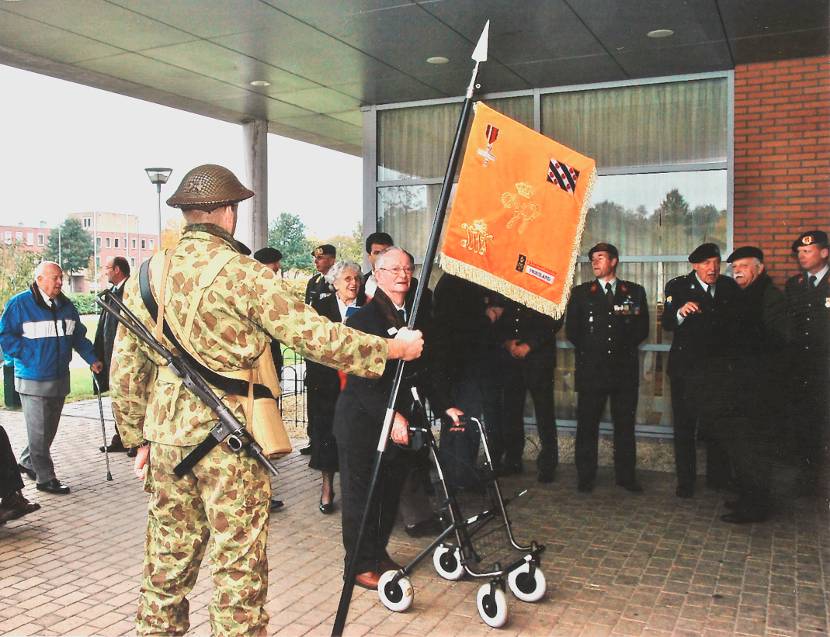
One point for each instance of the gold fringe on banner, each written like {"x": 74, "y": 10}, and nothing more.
{"x": 519, "y": 294}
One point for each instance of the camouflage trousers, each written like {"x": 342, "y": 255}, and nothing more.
{"x": 225, "y": 498}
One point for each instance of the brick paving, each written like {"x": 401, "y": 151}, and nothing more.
{"x": 616, "y": 564}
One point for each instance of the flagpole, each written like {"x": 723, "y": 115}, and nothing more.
{"x": 479, "y": 55}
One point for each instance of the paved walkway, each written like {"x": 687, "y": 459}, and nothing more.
{"x": 617, "y": 563}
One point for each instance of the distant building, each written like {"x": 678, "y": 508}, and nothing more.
{"x": 33, "y": 239}
{"x": 114, "y": 234}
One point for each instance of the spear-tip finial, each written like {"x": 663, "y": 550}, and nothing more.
{"x": 480, "y": 52}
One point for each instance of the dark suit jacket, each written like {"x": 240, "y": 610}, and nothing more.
{"x": 317, "y": 287}
{"x": 321, "y": 377}
{"x": 700, "y": 337}
{"x": 361, "y": 407}
{"x": 606, "y": 341}
{"x": 104, "y": 340}
{"x": 533, "y": 328}
{"x": 808, "y": 308}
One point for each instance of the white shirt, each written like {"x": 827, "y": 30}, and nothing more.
{"x": 343, "y": 307}
{"x": 820, "y": 274}
{"x": 45, "y": 298}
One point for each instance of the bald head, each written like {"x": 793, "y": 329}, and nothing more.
{"x": 49, "y": 278}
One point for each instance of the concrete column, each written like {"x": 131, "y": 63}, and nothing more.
{"x": 254, "y": 212}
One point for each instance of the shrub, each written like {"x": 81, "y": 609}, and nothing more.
{"x": 85, "y": 302}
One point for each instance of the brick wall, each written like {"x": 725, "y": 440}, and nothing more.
{"x": 782, "y": 156}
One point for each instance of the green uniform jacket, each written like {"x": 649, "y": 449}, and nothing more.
{"x": 241, "y": 311}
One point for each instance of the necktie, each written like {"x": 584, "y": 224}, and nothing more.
{"x": 609, "y": 294}
{"x": 402, "y": 315}
{"x": 813, "y": 280}
{"x": 710, "y": 290}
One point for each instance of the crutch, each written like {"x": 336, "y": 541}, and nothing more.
{"x": 103, "y": 426}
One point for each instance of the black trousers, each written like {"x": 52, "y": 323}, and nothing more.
{"x": 810, "y": 425}
{"x": 10, "y": 480}
{"x": 748, "y": 440}
{"x": 355, "y": 475}
{"x": 692, "y": 417}
{"x": 521, "y": 377}
{"x": 589, "y": 407}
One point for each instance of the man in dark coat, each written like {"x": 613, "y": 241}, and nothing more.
{"x": 466, "y": 379}
{"x": 358, "y": 422}
{"x": 529, "y": 360}
{"x": 696, "y": 308}
{"x": 117, "y": 270}
{"x": 607, "y": 319}
{"x": 808, "y": 306}
{"x": 13, "y": 504}
{"x": 752, "y": 409}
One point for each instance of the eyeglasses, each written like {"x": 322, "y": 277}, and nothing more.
{"x": 398, "y": 270}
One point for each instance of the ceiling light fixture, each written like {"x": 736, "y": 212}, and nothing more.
{"x": 660, "y": 33}
{"x": 260, "y": 83}
{"x": 437, "y": 59}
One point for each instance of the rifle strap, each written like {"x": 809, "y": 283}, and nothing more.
{"x": 232, "y": 386}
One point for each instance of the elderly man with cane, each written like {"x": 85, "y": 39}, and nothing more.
{"x": 39, "y": 329}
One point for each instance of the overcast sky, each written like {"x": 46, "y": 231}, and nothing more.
{"x": 70, "y": 148}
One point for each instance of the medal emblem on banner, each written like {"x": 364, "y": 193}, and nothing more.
{"x": 519, "y": 211}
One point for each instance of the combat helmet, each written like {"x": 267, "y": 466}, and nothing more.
{"x": 207, "y": 187}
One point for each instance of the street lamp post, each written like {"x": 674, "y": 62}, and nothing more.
{"x": 158, "y": 177}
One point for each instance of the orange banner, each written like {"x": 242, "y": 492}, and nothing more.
{"x": 519, "y": 211}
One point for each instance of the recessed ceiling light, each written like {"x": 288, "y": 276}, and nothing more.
{"x": 260, "y": 83}
{"x": 437, "y": 59}
{"x": 660, "y": 33}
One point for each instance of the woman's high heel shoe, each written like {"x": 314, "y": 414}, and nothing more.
{"x": 327, "y": 508}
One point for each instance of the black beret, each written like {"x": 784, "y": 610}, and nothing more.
{"x": 746, "y": 252}
{"x": 268, "y": 255}
{"x": 704, "y": 251}
{"x": 604, "y": 247}
{"x": 818, "y": 237}
{"x": 326, "y": 248}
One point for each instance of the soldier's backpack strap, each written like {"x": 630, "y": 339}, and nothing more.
{"x": 234, "y": 386}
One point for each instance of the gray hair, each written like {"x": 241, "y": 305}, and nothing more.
{"x": 338, "y": 268}
{"x": 381, "y": 258}
{"x": 42, "y": 267}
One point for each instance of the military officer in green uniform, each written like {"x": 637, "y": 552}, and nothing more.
{"x": 607, "y": 319}
{"x": 224, "y": 308}
{"x": 808, "y": 306}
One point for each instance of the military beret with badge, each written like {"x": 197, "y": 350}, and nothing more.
{"x": 812, "y": 237}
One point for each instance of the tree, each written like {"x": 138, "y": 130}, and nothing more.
{"x": 349, "y": 247}
{"x": 287, "y": 234}
{"x": 171, "y": 233}
{"x": 70, "y": 246}
{"x": 17, "y": 270}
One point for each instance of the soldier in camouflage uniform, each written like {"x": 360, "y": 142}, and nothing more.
{"x": 227, "y": 494}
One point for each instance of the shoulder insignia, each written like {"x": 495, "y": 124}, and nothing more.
{"x": 594, "y": 287}
{"x": 668, "y": 299}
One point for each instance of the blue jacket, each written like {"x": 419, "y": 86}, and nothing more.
{"x": 40, "y": 338}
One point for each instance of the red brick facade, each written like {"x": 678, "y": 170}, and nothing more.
{"x": 782, "y": 156}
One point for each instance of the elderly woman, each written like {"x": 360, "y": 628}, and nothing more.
{"x": 323, "y": 382}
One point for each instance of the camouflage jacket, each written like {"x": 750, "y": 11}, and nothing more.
{"x": 245, "y": 306}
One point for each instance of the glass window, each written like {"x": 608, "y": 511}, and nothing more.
{"x": 40, "y": 239}
{"x": 116, "y": 242}
{"x": 414, "y": 143}
{"x": 143, "y": 244}
{"x": 652, "y": 124}
{"x": 658, "y": 213}
{"x": 107, "y": 242}
{"x": 151, "y": 244}
{"x": 98, "y": 242}
{"x": 132, "y": 241}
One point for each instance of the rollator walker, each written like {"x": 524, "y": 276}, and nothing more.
{"x": 457, "y": 551}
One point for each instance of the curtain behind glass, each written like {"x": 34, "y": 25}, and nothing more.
{"x": 653, "y": 124}
{"x": 415, "y": 143}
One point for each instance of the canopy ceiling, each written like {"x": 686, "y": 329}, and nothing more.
{"x": 324, "y": 59}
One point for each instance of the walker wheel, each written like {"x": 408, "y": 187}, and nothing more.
{"x": 396, "y": 596}
{"x": 526, "y": 585}
{"x": 447, "y": 561}
{"x": 492, "y": 605}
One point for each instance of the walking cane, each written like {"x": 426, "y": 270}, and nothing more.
{"x": 103, "y": 427}
{"x": 479, "y": 55}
